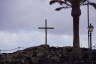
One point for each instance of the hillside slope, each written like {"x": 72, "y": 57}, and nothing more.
{"x": 45, "y": 54}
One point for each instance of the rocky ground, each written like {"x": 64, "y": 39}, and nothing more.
{"x": 45, "y": 54}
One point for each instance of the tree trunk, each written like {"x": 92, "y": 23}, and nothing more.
{"x": 76, "y": 31}
{"x": 76, "y": 12}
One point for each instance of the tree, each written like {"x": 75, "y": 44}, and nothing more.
{"x": 75, "y": 13}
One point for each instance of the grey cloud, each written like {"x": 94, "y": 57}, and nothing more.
{"x": 30, "y": 14}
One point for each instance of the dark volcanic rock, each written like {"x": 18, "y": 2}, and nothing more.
{"x": 49, "y": 55}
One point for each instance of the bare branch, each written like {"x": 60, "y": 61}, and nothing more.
{"x": 93, "y": 4}
{"x": 60, "y": 2}
{"x": 58, "y": 9}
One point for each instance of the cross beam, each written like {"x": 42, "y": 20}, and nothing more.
{"x": 46, "y": 30}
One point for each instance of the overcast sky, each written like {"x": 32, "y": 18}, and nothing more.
{"x": 20, "y": 19}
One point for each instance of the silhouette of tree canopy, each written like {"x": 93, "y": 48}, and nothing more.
{"x": 75, "y": 13}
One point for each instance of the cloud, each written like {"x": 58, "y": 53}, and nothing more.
{"x": 30, "y": 14}
{"x": 26, "y": 39}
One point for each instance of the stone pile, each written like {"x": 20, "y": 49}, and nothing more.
{"x": 45, "y": 54}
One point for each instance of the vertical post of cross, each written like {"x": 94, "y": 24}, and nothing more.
{"x": 45, "y": 31}
{"x": 0, "y": 51}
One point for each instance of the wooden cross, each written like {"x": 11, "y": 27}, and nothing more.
{"x": 46, "y": 30}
